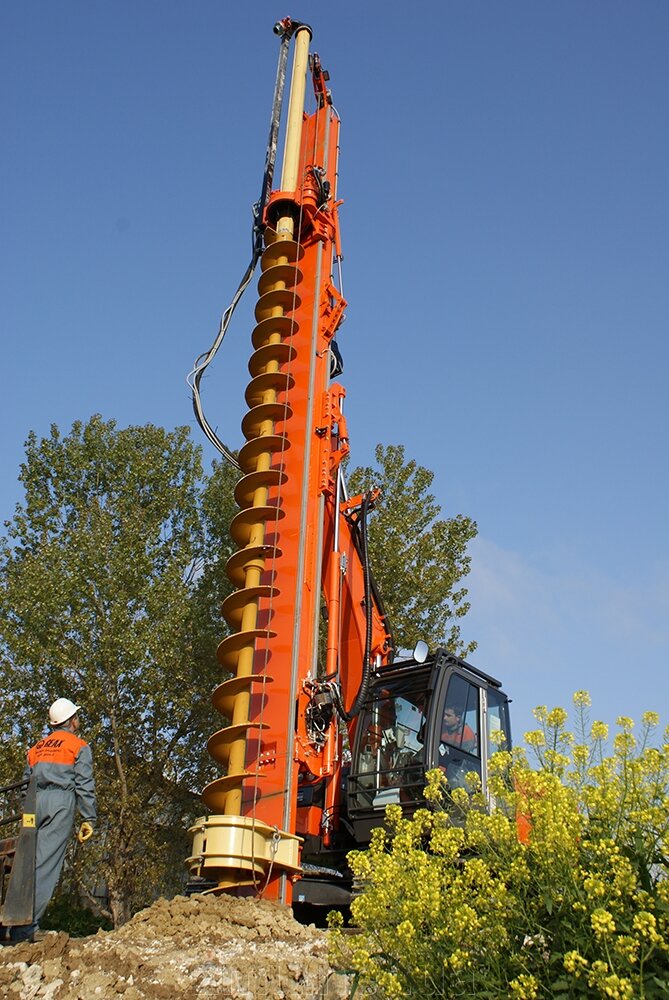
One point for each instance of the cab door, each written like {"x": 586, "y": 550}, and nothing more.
{"x": 470, "y": 722}
{"x": 460, "y": 745}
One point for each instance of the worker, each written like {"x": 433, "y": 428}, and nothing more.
{"x": 455, "y": 732}
{"x": 61, "y": 764}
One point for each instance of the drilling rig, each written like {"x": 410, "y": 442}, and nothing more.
{"x": 323, "y": 725}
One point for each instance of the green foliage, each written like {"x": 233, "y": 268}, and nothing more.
{"x": 418, "y": 558}
{"x": 66, "y": 914}
{"x": 107, "y": 576}
{"x": 456, "y": 904}
{"x": 217, "y": 509}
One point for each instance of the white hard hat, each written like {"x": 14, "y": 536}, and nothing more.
{"x": 61, "y": 711}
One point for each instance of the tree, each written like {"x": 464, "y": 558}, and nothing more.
{"x": 418, "y": 558}
{"x": 217, "y": 509}
{"x": 106, "y": 597}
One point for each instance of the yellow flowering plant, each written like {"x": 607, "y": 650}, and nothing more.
{"x": 454, "y": 903}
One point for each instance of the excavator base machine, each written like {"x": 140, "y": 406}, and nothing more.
{"x": 323, "y": 724}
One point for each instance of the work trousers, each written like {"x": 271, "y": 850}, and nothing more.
{"x": 55, "y": 818}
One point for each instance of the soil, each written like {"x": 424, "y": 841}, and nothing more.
{"x": 195, "y": 948}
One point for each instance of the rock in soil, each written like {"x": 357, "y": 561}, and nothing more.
{"x": 195, "y": 948}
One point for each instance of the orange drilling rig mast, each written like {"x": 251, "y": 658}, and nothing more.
{"x": 289, "y": 528}
{"x": 299, "y": 699}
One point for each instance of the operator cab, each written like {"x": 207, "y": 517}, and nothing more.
{"x": 441, "y": 712}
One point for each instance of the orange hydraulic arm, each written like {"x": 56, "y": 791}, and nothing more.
{"x": 298, "y": 539}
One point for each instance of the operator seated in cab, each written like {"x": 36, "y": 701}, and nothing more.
{"x": 457, "y": 740}
{"x": 456, "y": 732}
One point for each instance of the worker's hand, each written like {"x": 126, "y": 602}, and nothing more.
{"x": 84, "y": 833}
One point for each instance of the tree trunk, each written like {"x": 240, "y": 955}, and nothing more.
{"x": 119, "y": 904}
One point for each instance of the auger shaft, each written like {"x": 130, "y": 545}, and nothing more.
{"x": 246, "y": 848}
{"x": 253, "y": 573}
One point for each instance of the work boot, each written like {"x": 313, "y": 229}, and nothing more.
{"x": 18, "y": 934}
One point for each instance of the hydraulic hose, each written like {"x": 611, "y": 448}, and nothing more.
{"x": 361, "y": 696}
{"x": 285, "y": 29}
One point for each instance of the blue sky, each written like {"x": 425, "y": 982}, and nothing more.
{"x": 504, "y": 173}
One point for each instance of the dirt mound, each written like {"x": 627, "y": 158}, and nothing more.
{"x": 196, "y": 948}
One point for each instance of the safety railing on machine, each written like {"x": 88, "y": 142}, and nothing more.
{"x": 11, "y": 797}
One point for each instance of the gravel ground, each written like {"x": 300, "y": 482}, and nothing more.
{"x": 196, "y": 948}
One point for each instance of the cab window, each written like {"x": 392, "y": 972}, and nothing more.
{"x": 498, "y": 723}
{"x": 459, "y": 738}
{"x": 389, "y": 765}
